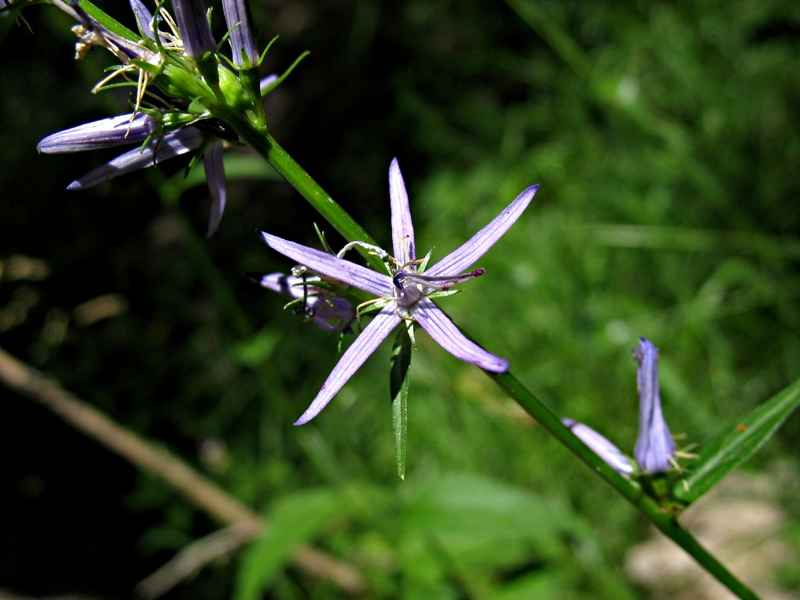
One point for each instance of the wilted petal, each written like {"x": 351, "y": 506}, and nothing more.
{"x": 600, "y": 446}
{"x": 280, "y": 283}
{"x": 243, "y": 44}
{"x": 364, "y": 345}
{"x": 402, "y": 227}
{"x": 215, "y": 177}
{"x": 320, "y": 303}
{"x": 105, "y": 133}
{"x": 447, "y": 335}
{"x": 332, "y": 313}
{"x": 654, "y": 444}
{"x": 479, "y": 244}
{"x": 172, "y": 144}
{"x": 267, "y": 81}
{"x": 143, "y": 17}
{"x": 193, "y": 24}
{"x": 331, "y": 266}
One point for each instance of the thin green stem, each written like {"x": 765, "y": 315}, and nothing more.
{"x": 666, "y": 523}
{"x": 284, "y": 164}
{"x": 352, "y": 231}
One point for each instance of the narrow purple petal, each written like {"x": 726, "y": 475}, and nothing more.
{"x": 600, "y": 446}
{"x": 104, "y": 133}
{"x": 143, "y": 17}
{"x": 402, "y": 226}
{"x": 654, "y": 443}
{"x": 332, "y": 266}
{"x": 192, "y": 22}
{"x": 447, "y": 335}
{"x": 364, "y": 345}
{"x": 215, "y": 176}
{"x": 469, "y": 252}
{"x": 173, "y": 144}
{"x": 267, "y": 81}
{"x": 243, "y": 44}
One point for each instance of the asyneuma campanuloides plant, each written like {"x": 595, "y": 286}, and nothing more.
{"x": 190, "y": 99}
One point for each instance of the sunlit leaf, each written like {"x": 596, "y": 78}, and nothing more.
{"x": 735, "y": 445}
{"x": 401, "y": 367}
{"x": 294, "y": 520}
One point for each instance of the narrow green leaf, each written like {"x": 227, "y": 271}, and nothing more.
{"x": 293, "y": 521}
{"x": 735, "y": 445}
{"x": 398, "y": 384}
{"x": 108, "y": 22}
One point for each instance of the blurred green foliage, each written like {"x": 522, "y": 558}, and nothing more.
{"x": 665, "y": 138}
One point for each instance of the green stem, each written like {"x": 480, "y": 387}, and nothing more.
{"x": 666, "y": 523}
{"x": 352, "y": 231}
{"x": 284, "y": 164}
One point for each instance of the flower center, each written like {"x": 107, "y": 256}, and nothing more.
{"x": 410, "y": 286}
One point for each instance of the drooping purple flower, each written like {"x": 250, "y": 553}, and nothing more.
{"x": 330, "y": 312}
{"x": 105, "y": 133}
{"x": 601, "y": 446}
{"x": 172, "y": 144}
{"x": 121, "y": 130}
{"x": 243, "y": 44}
{"x": 195, "y": 30}
{"x": 405, "y": 293}
{"x": 654, "y": 444}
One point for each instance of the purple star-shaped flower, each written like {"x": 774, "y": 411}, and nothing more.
{"x": 406, "y": 291}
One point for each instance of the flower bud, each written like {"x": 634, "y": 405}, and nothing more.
{"x": 243, "y": 45}
{"x": 654, "y": 444}
{"x": 195, "y": 31}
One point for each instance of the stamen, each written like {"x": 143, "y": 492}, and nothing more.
{"x": 379, "y": 252}
{"x": 442, "y": 282}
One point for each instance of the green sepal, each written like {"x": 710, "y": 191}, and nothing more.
{"x": 398, "y": 385}
{"x": 145, "y": 66}
{"x": 737, "y": 443}
{"x": 177, "y": 80}
{"x": 325, "y": 245}
{"x": 108, "y": 22}
{"x": 424, "y": 264}
{"x": 111, "y": 86}
{"x": 209, "y": 68}
{"x": 443, "y": 293}
{"x": 286, "y": 73}
{"x": 376, "y": 306}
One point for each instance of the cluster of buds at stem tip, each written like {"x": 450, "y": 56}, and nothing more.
{"x": 198, "y": 94}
